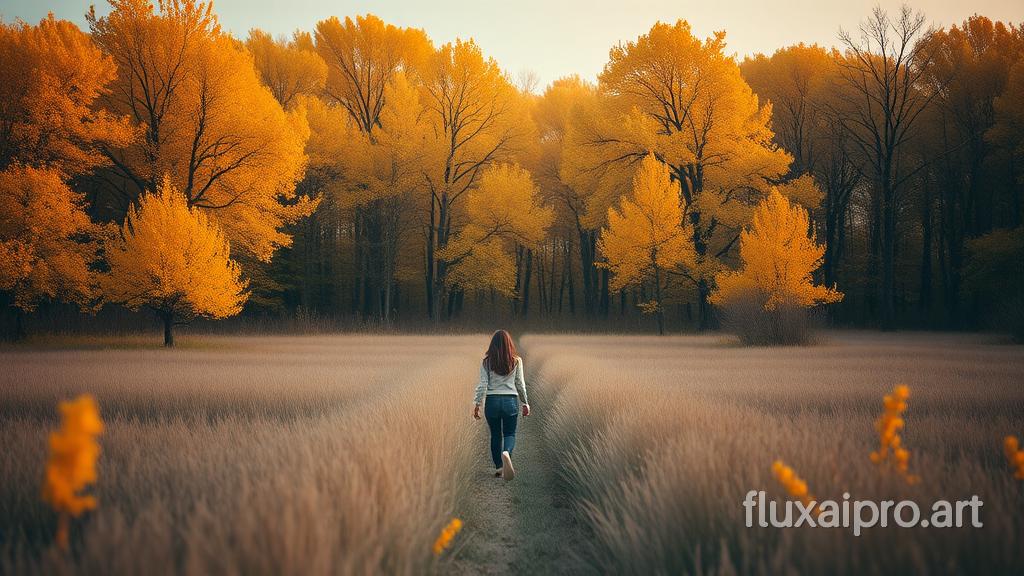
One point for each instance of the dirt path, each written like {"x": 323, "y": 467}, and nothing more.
{"x": 525, "y": 526}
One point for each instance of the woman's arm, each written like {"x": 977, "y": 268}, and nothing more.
{"x": 521, "y": 382}
{"x": 481, "y": 386}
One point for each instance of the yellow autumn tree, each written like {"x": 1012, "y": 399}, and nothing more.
{"x": 1008, "y": 129}
{"x": 478, "y": 119}
{"x": 683, "y": 99}
{"x": 51, "y": 75}
{"x": 778, "y": 255}
{"x": 207, "y": 122}
{"x": 362, "y": 56}
{"x": 47, "y": 242}
{"x": 172, "y": 259}
{"x": 561, "y": 185}
{"x": 502, "y": 213}
{"x": 50, "y": 131}
{"x": 644, "y": 241}
{"x": 372, "y": 131}
{"x": 375, "y": 177}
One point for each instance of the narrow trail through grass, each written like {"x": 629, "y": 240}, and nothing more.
{"x": 525, "y": 526}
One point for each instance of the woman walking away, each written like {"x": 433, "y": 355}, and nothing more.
{"x": 503, "y": 385}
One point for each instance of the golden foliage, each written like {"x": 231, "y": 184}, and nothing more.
{"x": 207, "y": 121}
{"x": 444, "y": 539}
{"x": 477, "y": 117}
{"x": 477, "y": 120}
{"x": 50, "y": 76}
{"x": 173, "y": 259}
{"x": 489, "y": 263}
{"x": 803, "y": 191}
{"x": 72, "y": 463}
{"x": 502, "y": 212}
{"x": 362, "y": 57}
{"x": 993, "y": 270}
{"x": 1014, "y": 456}
{"x": 778, "y": 253}
{"x": 682, "y": 99}
{"x": 553, "y": 114}
{"x": 1008, "y": 130}
{"x": 596, "y": 182}
{"x": 974, "y": 67}
{"x": 363, "y": 167}
{"x": 47, "y": 242}
{"x": 799, "y": 82}
{"x": 290, "y": 69}
{"x": 371, "y": 137}
{"x": 889, "y": 425}
{"x": 645, "y": 236}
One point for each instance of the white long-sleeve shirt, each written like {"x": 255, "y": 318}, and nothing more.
{"x": 511, "y": 383}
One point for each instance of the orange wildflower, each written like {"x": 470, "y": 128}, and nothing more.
{"x": 794, "y": 485}
{"x": 1014, "y": 456}
{"x": 444, "y": 539}
{"x": 889, "y": 425}
{"x": 72, "y": 464}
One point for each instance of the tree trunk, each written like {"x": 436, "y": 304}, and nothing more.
{"x": 388, "y": 286}
{"x": 20, "y": 333}
{"x": 588, "y": 271}
{"x": 889, "y": 260}
{"x": 925, "y": 297}
{"x": 873, "y": 287}
{"x": 360, "y": 283}
{"x": 703, "y": 286}
{"x": 428, "y": 275}
{"x": 526, "y": 282}
{"x": 604, "y": 293}
{"x": 168, "y": 318}
{"x": 657, "y": 298}
{"x": 571, "y": 286}
{"x": 703, "y": 305}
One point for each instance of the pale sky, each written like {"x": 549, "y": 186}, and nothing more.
{"x": 555, "y": 38}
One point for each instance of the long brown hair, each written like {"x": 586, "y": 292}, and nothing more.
{"x": 501, "y": 354}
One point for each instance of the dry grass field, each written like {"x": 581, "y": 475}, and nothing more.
{"x": 663, "y": 437}
{"x": 245, "y": 456}
{"x": 348, "y": 454}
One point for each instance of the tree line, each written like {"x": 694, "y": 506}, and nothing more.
{"x": 358, "y": 170}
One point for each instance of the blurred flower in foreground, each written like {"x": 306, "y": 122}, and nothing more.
{"x": 447, "y": 534}
{"x": 795, "y": 487}
{"x": 889, "y": 425}
{"x": 72, "y": 464}
{"x": 1015, "y": 456}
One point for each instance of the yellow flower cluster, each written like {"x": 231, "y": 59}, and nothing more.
{"x": 447, "y": 534}
{"x": 72, "y": 463}
{"x": 889, "y": 426}
{"x": 1015, "y": 456}
{"x": 795, "y": 487}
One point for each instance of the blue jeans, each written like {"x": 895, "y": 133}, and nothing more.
{"x": 502, "y": 413}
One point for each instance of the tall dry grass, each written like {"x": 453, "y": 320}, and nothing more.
{"x": 661, "y": 438}
{"x": 340, "y": 455}
{"x": 785, "y": 325}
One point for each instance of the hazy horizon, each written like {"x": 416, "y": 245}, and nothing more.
{"x": 556, "y": 39}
